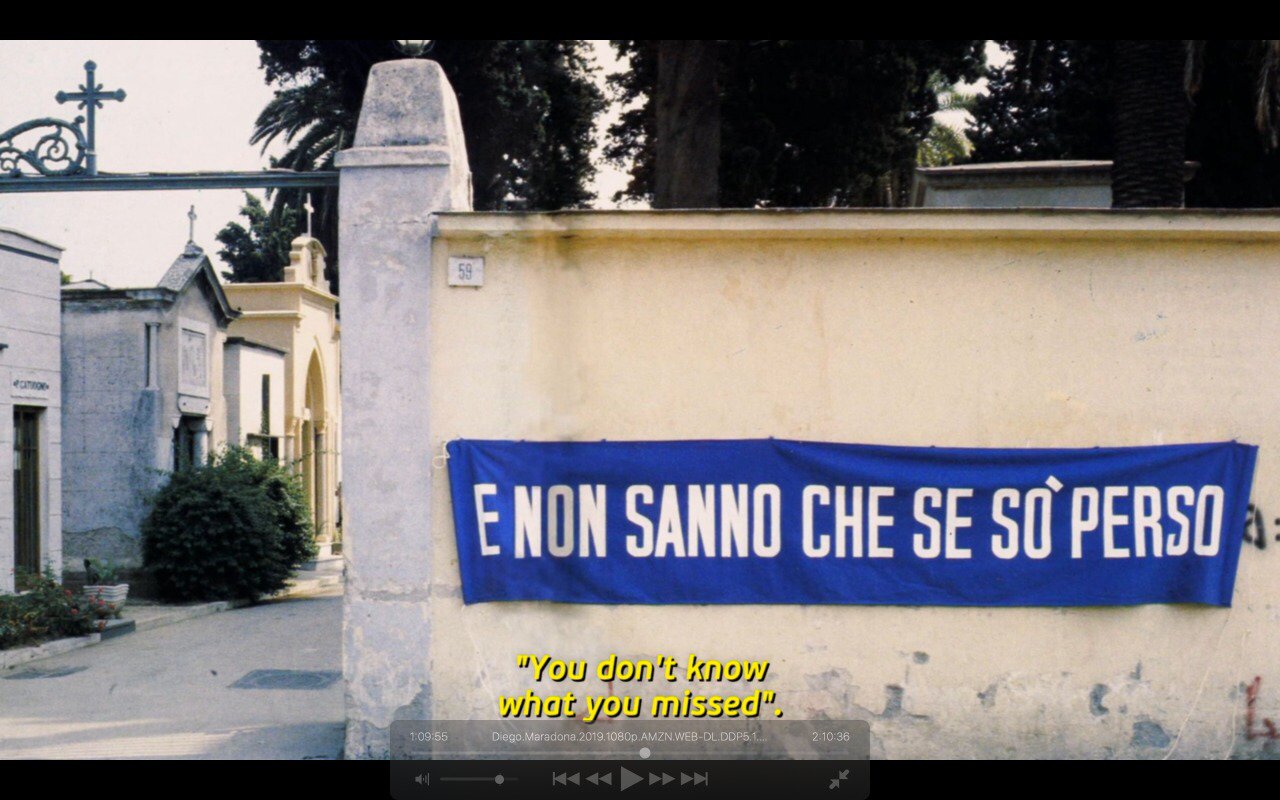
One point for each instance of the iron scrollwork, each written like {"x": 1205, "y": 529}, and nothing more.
{"x": 64, "y": 148}
{"x": 59, "y": 151}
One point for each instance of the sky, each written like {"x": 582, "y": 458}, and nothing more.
{"x": 190, "y": 106}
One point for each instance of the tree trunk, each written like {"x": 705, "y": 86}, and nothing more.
{"x": 1152, "y": 114}
{"x": 687, "y": 130}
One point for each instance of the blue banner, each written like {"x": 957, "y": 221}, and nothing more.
{"x": 776, "y": 521}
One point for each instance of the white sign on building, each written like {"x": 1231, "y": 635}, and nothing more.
{"x": 30, "y": 385}
{"x": 194, "y": 358}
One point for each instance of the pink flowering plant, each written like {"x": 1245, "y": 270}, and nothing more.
{"x": 45, "y": 611}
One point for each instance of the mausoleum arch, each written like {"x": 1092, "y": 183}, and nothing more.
{"x": 314, "y": 399}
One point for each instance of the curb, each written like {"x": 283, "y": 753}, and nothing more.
{"x": 12, "y": 658}
{"x": 308, "y": 585}
{"x": 118, "y": 627}
{"x": 184, "y": 613}
{"x": 23, "y": 655}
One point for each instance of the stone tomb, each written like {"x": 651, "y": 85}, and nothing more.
{"x": 30, "y": 421}
{"x": 297, "y": 317}
{"x": 143, "y": 395}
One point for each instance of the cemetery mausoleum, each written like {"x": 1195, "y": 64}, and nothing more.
{"x": 30, "y": 403}
{"x": 142, "y": 396}
{"x": 298, "y": 317}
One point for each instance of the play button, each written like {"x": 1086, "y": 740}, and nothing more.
{"x": 629, "y": 779}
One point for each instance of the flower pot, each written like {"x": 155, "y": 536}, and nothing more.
{"x": 113, "y": 594}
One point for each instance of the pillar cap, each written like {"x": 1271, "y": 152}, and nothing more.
{"x": 408, "y": 102}
{"x": 409, "y": 119}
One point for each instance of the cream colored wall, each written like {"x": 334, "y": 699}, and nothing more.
{"x": 294, "y": 318}
{"x": 242, "y": 384}
{"x": 998, "y": 329}
{"x": 287, "y": 317}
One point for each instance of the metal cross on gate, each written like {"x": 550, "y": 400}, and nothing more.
{"x": 90, "y": 98}
{"x": 56, "y": 155}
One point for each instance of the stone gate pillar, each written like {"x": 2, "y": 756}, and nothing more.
{"x": 409, "y": 161}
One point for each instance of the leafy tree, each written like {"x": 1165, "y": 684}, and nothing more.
{"x": 801, "y": 123}
{"x": 1051, "y": 99}
{"x": 528, "y": 107}
{"x": 1057, "y": 99}
{"x": 259, "y": 253}
{"x": 1239, "y": 163}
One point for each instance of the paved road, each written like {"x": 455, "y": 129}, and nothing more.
{"x": 166, "y": 692}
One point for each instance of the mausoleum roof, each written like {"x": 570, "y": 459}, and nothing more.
{"x": 89, "y": 284}
{"x": 193, "y": 264}
{"x": 18, "y": 241}
{"x": 190, "y": 266}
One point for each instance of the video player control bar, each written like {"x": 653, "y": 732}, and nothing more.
{"x": 422, "y": 780}
{"x": 567, "y": 757}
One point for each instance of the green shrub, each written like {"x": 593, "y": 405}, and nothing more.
{"x": 46, "y": 611}
{"x": 235, "y": 528}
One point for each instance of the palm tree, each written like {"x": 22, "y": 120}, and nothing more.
{"x": 1156, "y": 80}
{"x": 1153, "y": 109}
{"x": 946, "y": 143}
{"x": 314, "y": 124}
{"x": 531, "y": 105}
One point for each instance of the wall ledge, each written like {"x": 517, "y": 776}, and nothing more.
{"x": 860, "y": 223}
